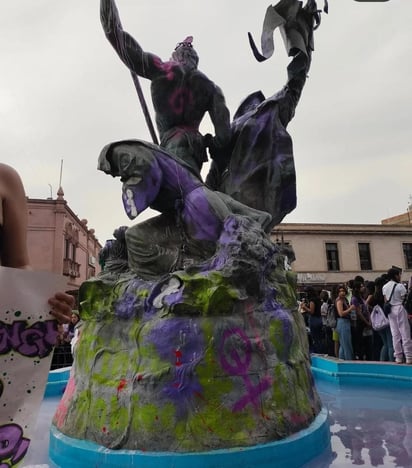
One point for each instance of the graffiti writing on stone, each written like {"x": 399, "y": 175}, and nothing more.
{"x": 13, "y": 446}
{"x": 180, "y": 99}
{"x": 235, "y": 358}
{"x": 30, "y": 341}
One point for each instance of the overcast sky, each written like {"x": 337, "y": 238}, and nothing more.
{"x": 64, "y": 94}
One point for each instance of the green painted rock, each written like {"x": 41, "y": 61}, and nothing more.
{"x": 212, "y": 357}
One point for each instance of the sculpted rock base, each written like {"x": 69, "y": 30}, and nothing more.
{"x": 212, "y": 357}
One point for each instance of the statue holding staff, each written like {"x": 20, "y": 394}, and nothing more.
{"x": 192, "y": 339}
{"x": 181, "y": 94}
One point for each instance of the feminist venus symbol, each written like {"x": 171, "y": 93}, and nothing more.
{"x": 239, "y": 366}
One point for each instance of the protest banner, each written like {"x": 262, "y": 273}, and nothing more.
{"x": 27, "y": 336}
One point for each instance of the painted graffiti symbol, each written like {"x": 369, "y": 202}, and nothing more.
{"x": 180, "y": 99}
{"x": 122, "y": 385}
{"x": 30, "y": 341}
{"x": 179, "y": 356}
{"x": 166, "y": 67}
{"x": 180, "y": 343}
{"x": 13, "y": 446}
{"x": 235, "y": 358}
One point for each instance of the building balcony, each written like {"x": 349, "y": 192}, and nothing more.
{"x": 71, "y": 268}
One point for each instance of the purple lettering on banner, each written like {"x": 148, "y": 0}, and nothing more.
{"x": 32, "y": 343}
{"x": 13, "y": 446}
{"x": 9, "y": 334}
{"x": 36, "y": 340}
{"x": 239, "y": 366}
{"x": 49, "y": 330}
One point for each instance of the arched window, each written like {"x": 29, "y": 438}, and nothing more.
{"x": 71, "y": 242}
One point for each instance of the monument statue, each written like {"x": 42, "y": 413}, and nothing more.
{"x": 192, "y": 214}
{"x": 192, "y": 340}
{"x": 181, "y": 94}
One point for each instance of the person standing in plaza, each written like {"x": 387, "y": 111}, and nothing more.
{"x": 362, "y": 331}
{"x": 313, "y": 308}
{"x": 327, "y": 329}
{"x": 344, "y": 324}
{"x": 394, "y": 292}
{"x": 385, "y": 353}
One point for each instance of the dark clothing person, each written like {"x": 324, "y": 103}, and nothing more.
{"x": 313, "y": 307}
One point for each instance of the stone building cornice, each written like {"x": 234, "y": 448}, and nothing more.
{"x": 61, "y": 205}
{"x": 341, "y": 229}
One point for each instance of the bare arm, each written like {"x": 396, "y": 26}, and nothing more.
{"x": 341, "y": 311}
{"x": 14, "y": 251}
{"x": 310, "y": 309}
{"x": 128, "y": 49}
{"x": 369, "y": 300}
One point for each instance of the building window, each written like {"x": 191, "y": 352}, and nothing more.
{"x": 67, "y": 246}
{"x": 365, "y": 256}
{"x": 332, "y": 256}
{"x": 71, "y": 240}
{"x": 407, "y": 253}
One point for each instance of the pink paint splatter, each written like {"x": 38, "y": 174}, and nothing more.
{"x": 166, "y": 67}
{"x": 63, "y": 407}
{"x": 178, "y": 355}
{"x": 264, "y": 416}
{"x": 297, "y": 418}
{"x": 122, "y": 385}
{"x": 199, "y": 395}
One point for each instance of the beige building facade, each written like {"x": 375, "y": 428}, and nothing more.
{"x": 326, "y": 254}
{"x": 329, "y": 254}
{"x": 60, "y": 242}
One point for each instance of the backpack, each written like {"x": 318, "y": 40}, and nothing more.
{"x": 331, "y": 316}
{"x": 407, "y": 302}
{"x": 378, "y": 318}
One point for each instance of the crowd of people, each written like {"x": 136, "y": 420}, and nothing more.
{"x": 67, "y": 337}
{"x": 343, "y": 323}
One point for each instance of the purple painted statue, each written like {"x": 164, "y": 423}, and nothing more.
{"x": 181, "y": 94}
{"x": 252, "y": 158}
{"x": 192, "y": 341}
{"x": 192, "y": 214}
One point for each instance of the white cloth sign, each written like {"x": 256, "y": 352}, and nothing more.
{"x": 27, "y": 337}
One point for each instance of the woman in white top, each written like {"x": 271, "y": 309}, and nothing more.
{"x": 394, "y": 292}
